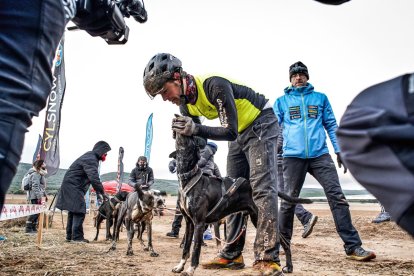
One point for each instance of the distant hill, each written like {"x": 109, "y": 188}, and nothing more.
{"x": 54, "y": 181}
{"x": 169, "y": 186}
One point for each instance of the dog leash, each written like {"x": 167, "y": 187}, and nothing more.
{"x": 226, "y": 194}
{"x": 235, "y": 239}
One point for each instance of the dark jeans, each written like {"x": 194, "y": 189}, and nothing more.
{"x": 323, "y": 169}
{"x": 301, "y": 213}
{"x": 35, "y": 217}
{"x": 74, "y": 227}
{"x": 253, "y": 156}
{"x": 30, "y": 33}
{"x": 178, "y": 218}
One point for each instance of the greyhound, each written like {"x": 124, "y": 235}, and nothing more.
{"x": 137, "y": 208}
{"x": 109, "y": 210}
{"x": 206, "y": 199}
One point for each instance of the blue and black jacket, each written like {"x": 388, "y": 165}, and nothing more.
{"x": 305, "y": 115}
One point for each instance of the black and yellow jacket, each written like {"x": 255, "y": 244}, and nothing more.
{"x": 236, "y": 106}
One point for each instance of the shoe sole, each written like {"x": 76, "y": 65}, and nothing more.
{"x": 231, "y": 266}
{"x": 362, "y": 259}
{"x": 311, "y": 227}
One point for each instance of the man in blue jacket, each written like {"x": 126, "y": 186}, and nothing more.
{"x": 305, "y": 115}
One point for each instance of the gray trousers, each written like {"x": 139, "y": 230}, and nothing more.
{"x": 253, "y": 156}
{"x": 323, "y": 169}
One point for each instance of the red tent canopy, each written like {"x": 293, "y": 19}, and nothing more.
{"x": 110, "y": 187}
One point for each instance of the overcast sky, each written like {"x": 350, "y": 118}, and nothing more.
{"x": 346, "y": 48}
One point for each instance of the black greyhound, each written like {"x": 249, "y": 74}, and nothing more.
{"x": 109, "y": 211}
{"x": 137, "y": 208}
{"x": 206, "y": 199}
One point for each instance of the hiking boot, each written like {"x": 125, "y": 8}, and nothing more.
{"x": 172, "y": 234}
{"x": 268, "y": 268}
{"x": 382, "y": 217}
{"x": 81, "y": 241}
{"x": 360, "y": 254}
{"x": 308, "y": 227}
{"x": 29, "y": 228}
{"x": 220, "y": 262}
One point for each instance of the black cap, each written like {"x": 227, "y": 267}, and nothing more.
{"x": 298, "y": 67}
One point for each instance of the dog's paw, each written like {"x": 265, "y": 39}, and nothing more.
{"x": 154, "y": 254}
{"x": 287, "y": 269}
{"x": 146, "y": 248}
{"x": 130, "y": 253}
{"x": 178, "y": 268}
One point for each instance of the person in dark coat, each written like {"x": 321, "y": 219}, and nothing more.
{"x": 142, "y": 175}
{"x": 80, "y": 175}
{"x": 376, "y": 135}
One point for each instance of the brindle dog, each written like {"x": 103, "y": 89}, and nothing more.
{"x": 137, "y": 208}
{"x": 206, "y": 199}
{"x": 109, "y": 211}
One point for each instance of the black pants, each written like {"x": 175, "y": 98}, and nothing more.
{"x": 35, "y": 217}
{"x": 301, "y": 213}
{"x": 74, "y": 227}
{"x": 324, "y": 170}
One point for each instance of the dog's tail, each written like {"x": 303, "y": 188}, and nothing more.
{"x": 294, "y": 199}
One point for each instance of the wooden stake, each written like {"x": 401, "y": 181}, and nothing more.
{"x": 40, "y": 230}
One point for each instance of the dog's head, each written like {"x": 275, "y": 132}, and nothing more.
{"x": 187, "y": 153}
{"x": 146, "y": 200}
{"x": 159, "y": 202}
{"x": 122, "y": 195}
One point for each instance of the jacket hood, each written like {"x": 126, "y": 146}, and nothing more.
{"x": 101, "y": 147}
{"x": 290, "y": 90}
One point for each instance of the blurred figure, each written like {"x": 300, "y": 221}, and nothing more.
{"x": 376, "y": 135}
{"x": 36, "y": 191}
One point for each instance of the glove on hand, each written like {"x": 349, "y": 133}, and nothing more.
{"x": 340, "y": 164}
{"x": 184, "y": 125}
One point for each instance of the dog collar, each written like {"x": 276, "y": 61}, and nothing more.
{"x": 188, "y": 175}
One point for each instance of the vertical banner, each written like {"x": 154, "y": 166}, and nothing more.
{"x": 50, "y": 144}
{"x": 36, "y": 154}
{"x": 120, "y": 172}
{"x": 148, "y": 138}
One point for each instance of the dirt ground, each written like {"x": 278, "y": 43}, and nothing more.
{"x": 319, "y": 254}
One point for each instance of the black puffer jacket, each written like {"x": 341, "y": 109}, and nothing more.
{"x": 141, "y": 176}
{"x": 80, "y": 175}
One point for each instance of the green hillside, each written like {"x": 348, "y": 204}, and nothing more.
{"x": 54, "y": 181}
{"x": 169, "y": 186}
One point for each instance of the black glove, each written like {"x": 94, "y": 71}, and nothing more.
{"x": 340, "y": 164}
{"x": 184, "y": 125}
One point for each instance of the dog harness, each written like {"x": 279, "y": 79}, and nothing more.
{"x": 195, "y": 175}
{"x": 112, "y": 205}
